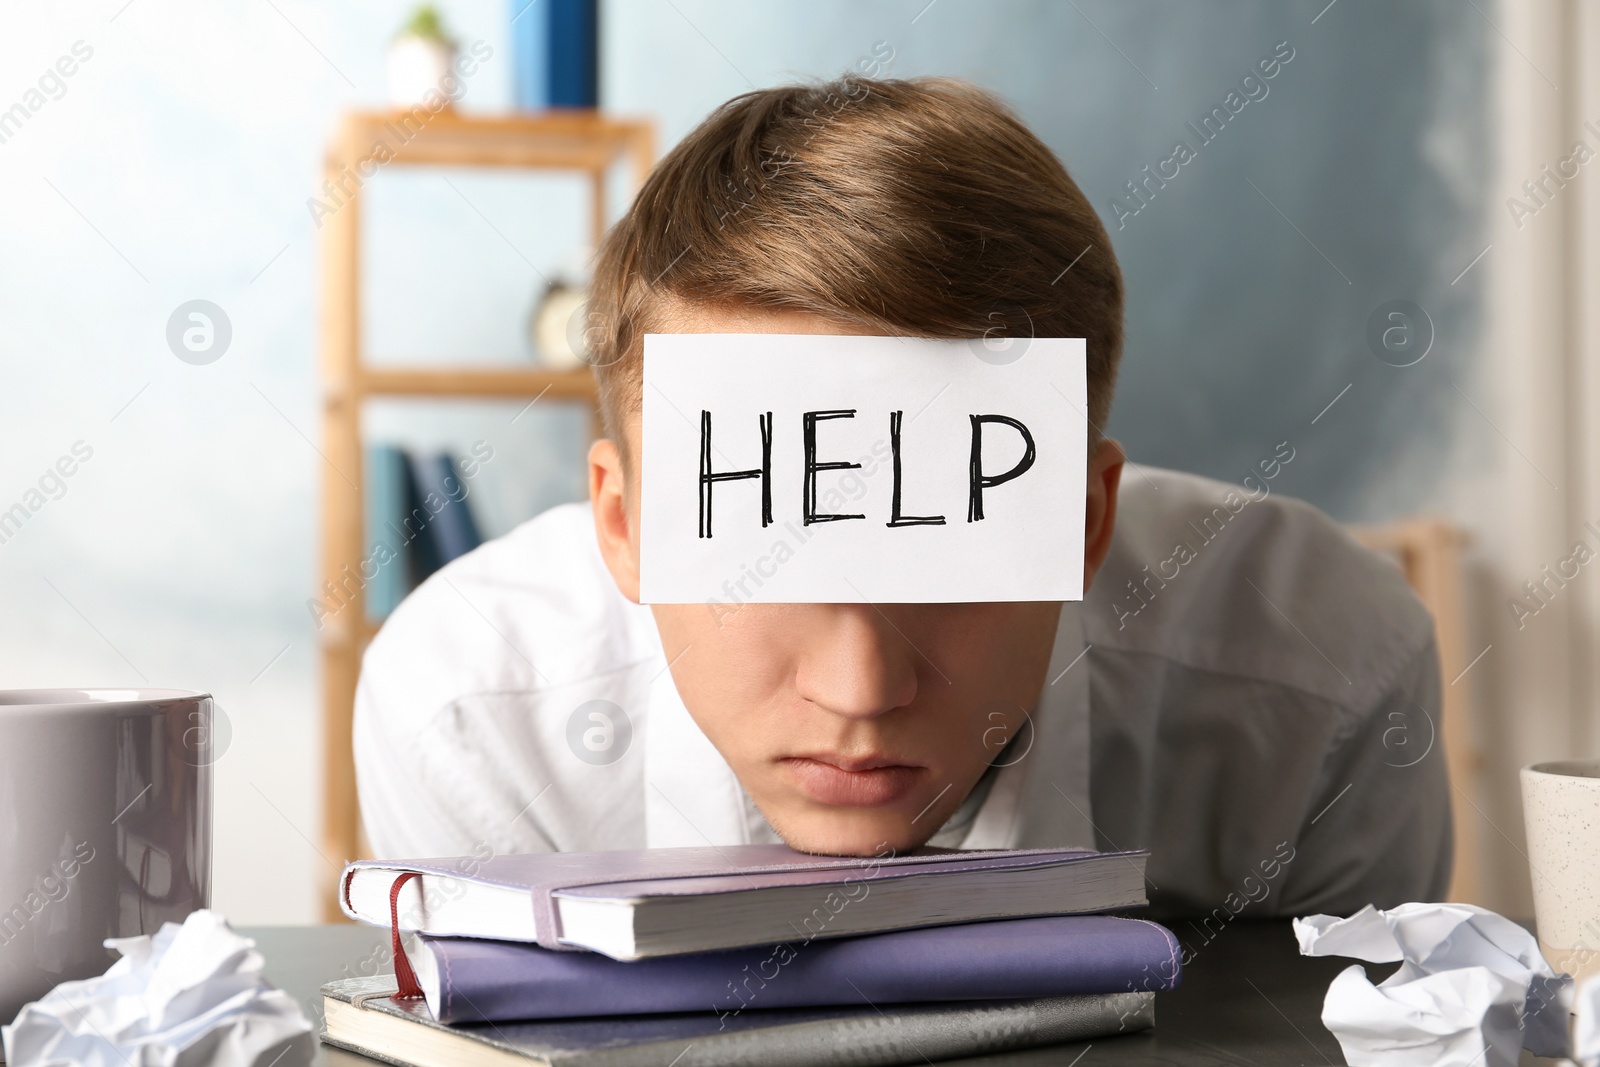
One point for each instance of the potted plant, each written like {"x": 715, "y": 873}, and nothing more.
{"x": 420, "y": 58}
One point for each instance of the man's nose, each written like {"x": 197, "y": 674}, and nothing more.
{"x": 859, "y": 665}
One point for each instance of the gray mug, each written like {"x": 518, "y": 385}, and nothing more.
{"x": 105, "y": 826}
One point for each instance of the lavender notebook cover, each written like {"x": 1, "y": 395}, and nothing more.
{"x": 497, "y": 981}
{"x": 725, "y": 869}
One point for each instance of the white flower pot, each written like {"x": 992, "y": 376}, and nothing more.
{"x": 417, "y": 70}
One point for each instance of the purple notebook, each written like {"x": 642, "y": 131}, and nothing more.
{"x": 467, "y": 980}
{"x": 658, "y": 902}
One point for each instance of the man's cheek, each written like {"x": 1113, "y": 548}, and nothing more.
{"x": 726, "y": 675}
{"x": 995, "y": 725}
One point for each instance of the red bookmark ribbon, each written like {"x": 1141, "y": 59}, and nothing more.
{"x": 404, "y": 976}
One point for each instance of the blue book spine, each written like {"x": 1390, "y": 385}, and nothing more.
{"x": 574, "y": 53}
{"x": 422, "y": 556}
{"x": 530, "y": 53}
{"x": 455, "y": 529}
{"x": 386, "y": 497}
{"x": 440, "y": 522}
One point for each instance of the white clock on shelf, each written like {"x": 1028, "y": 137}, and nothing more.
{"x": 555, "y": 328}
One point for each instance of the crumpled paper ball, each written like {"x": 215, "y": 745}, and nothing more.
{"x": 1586, "y": 1024}
{"x": 192, "y": 995}
{"x": 1472, "y": 989}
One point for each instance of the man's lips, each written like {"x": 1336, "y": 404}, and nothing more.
{"x": 862, "y": 783}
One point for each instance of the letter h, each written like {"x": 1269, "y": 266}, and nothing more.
{"x": 708, "y": 476}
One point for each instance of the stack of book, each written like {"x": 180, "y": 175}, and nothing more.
{"x": 748, "y": 954}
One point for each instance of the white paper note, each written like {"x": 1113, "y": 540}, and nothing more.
{"x": 748, "y": 498}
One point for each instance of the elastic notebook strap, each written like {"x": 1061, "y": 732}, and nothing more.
{"x": 404, "y": 976}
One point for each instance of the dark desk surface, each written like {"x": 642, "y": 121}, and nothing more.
{"x": 1248, "y": 997}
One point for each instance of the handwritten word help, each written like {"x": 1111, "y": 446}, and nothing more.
{"x": 747, "y": 436}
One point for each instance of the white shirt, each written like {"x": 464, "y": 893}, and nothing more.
{"x": 1236, "y": 693}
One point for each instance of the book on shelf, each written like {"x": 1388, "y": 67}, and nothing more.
{"x": 438, "y": 520}
{"x": 417, "y": 519}
{"x": 387, "y": 491}
{"x": 554, "y": 54}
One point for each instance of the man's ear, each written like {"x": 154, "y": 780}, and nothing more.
{"x": 614, "y": 506}
{"x": 1100, "y": 506}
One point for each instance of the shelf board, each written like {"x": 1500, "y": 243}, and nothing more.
{"x": 476, "y": 382}
{"x": 579, "y": 138}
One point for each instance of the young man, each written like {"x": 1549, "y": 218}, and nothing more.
{"x": 1244, "y": 691}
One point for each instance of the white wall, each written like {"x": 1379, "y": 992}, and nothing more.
{"x": 1526, "y": 489}
{"x": 176, "y": 166}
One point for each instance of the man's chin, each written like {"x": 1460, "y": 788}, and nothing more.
{"x": 852, "y": 834}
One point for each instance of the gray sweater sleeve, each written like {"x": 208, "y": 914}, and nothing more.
{"x": 1378, "y": 829}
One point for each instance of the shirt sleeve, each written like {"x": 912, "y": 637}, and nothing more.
{"x": 450, "y": 780}
{"x": 400, "y": 814}
{"x": 1378, "y": 830}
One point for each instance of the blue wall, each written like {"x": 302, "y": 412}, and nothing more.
{"x": 1370, "y": 141}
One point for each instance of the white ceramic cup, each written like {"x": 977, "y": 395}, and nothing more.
{"x": 105, "y": 826}
{"x": 1561, "y": 803}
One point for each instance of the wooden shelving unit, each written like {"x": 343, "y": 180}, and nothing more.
{"x": 366, "y": 142}
{"x": 1428, "y": 552}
